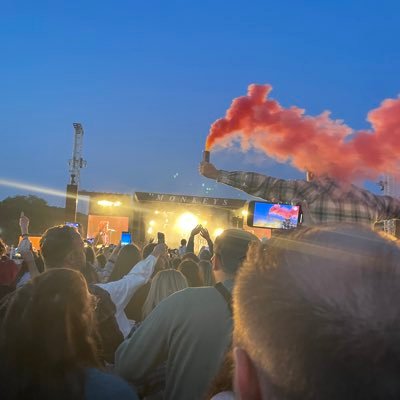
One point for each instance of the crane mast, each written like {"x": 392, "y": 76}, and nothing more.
{"x": 75, "y": 166}
{"x": 77, "y": 162}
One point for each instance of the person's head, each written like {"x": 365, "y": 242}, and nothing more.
{"x": 230, "y": 249}
{"x": 190, "y": 256}
{"x": 192, "y": 273}
{"x": 175, "y": 262}
{"x": 148, "y": 249}
{"x": 316, "y": 317}
{"x": 48, "y": 337}
{"x": 162, "y": 285}
{"x": 183, "y": 242}
{"x": 3, "y": 248}
{"x": 206, "y": 272}
{"x": 205, "y": 255}
{"x": 162, "y": 261}
{"x": 128, "y": 256}
{"x": 62, "y": 247}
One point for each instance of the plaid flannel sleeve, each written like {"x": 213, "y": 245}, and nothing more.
{"x": 265, "y": 187}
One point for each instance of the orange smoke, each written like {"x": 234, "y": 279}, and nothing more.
{"x": 318, "y": 144}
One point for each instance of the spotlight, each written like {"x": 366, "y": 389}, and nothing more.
{"x": 150, "y": 230}
{"x": 152, "y": 223}
{"x": 187, "y": 221}
{"x": 108, "y": 203}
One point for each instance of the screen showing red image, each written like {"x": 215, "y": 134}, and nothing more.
{"x": 106, "y": 229}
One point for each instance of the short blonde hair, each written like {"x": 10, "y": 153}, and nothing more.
{"x": 317, "y": 311}
{"x": 163, "y": 285}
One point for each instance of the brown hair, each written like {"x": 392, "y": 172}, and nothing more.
{"x": 128, "y": 257}
{"x": 191, "y": 271}
{"x": 48, "y": 338}
{"x": 56, "y": 243}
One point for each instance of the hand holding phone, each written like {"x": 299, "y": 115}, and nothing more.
{"x": 160, "y": 237}
{"x": 126, "y": 238}
{"x": 263, "y": 214}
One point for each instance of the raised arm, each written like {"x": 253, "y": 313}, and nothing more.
{"x": 121, "y": 291}
{"x": 25, "y": 246}
{"x": 190, "y": 243}
{"x": 263, "y": 186}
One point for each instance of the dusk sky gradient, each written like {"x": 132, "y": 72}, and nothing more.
{"x": 147, "y": 79}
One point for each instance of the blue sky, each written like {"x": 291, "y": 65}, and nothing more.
{"x": 146, "y": 79}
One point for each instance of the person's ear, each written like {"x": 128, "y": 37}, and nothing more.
{"x": 246, "y": 381}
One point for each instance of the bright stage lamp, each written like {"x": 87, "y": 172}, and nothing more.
{"x": 105, "y": 203}
{"x": 108, "y": 203}
{"x": 186, "y": 222}
{"x": 152, "y": 223}
{"x": 150, "y": 230}
{"x": 218, "y": 231}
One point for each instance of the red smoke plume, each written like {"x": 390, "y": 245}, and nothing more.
{"x": 318, "y": 144}
{"x": 283, "y": 211}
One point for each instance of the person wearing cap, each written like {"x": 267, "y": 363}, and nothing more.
{"x": 189, "y": 331}
{"x": 323, "y": 200}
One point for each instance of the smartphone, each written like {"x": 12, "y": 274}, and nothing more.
{"x": 160, "y": 237}
{"x": 73, "y": 224}
{"x": 89, "y": 240}
{"x": 126, "y": 238}
{"x": 263, "y": 214}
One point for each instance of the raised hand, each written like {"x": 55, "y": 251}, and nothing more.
{"x": 196, "y": 230}
{"x": 159, "y": 250}
{"x": 208, "y": 170}
{"x": 24, "y": 223}
{"x": 205, "y": 234}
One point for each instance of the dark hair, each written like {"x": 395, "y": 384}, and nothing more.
{"x": 90, "y": 273}
{"x": 231, "y": 246}
{"x": 317, "y": 311}
{"x": 56, "y": 243}
{"x": 190, "y": 256}
{"x": 90, "y": 254}
{"x": 102, "y": 260}
{"x": 183, "y": 242}
{"x": 205, "y": 255}
{"x": 128, "y": 256}
{"x": 175, "y": 262}
{"x": 47, "y": 338}
{"x": 206, "y": 272}
{"x": 148, "y": 249}
{"x": 192, "y": 273}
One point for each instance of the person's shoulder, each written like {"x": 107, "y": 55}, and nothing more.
{"x": 191, "y": 294}
{"x": 103, "y": 386}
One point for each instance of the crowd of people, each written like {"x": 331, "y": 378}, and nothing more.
{"x": 309, "y": 314}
